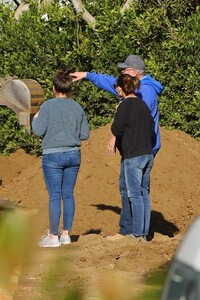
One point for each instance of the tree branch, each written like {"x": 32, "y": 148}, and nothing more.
{"x": 79, "y": 7}
{"x": 126, "y": 6}
{"x": 24, "y": 5}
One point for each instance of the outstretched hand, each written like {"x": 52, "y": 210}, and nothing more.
{"x": 78, "y": 75}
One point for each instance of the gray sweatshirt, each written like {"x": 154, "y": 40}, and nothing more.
{"x": 62, "y": 123}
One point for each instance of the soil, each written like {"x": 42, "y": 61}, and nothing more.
{"x": 91, "y": 264}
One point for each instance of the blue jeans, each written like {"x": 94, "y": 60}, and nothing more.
{"x": 60, "y": 172}
{"x": 134, "y": 188}
{"x": 126, "y": 220}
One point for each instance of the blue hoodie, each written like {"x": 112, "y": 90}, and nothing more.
{"x": 149, "y": 91}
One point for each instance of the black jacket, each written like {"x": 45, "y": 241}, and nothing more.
{"x": 133, "y": 127}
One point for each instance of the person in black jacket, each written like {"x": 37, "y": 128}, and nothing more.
{"x": 133, "y": 127}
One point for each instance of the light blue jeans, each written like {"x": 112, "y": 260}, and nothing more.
{"x": 60, "y": 172}
{"x": 134, "y": 188}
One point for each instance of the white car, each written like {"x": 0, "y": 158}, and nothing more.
{"x": 183, "y": 279}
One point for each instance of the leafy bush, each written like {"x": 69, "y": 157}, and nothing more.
{"x": 165, "y": 33}
{"x": 14, "y": 136}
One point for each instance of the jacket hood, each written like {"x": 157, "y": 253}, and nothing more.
{"x": 147, "y": 79}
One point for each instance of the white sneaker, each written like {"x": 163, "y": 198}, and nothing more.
{"x": 65, "y": 239}
{"x": 46, "y": 241}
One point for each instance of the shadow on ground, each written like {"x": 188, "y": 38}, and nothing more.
{"x": 158, "y": 223}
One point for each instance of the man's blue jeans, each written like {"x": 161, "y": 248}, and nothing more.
{"x": 134, "y": 188}
{"x": 60, "y": 172}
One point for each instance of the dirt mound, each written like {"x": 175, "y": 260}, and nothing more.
{"x": 175, "y": 194}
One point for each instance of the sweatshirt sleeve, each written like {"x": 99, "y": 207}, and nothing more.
{"x": 39, "y": 123}
{"x": 118, "y": 125}
{"x": 103, "y": 81}
{"x": 85, "y": 131}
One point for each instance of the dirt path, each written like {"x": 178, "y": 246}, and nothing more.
{"x": 92, "y": 262}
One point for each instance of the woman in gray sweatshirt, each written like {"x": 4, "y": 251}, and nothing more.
{"x": 63, "y": 124}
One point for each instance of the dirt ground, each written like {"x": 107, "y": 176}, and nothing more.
{"x": 92, "y": 264}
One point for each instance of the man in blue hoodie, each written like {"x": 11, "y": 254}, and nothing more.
{"x": 149, "y": 91}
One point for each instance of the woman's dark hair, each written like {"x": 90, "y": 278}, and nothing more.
{"x": 63, "y": 81}
{"x": 128, "y": 84}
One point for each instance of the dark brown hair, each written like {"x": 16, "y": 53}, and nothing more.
{"x": 63, "y": 81}
{"x": 128, "y": 84}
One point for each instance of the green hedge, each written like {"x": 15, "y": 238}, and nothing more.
{"x": 42, "y": 41}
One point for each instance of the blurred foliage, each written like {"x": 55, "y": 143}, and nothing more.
{"x": 15, "y": 245}
{"x": 154, "y": 284}
{"x": 165, "y": 33}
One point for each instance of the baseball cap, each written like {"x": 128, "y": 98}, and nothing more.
{"x": 133, "y": 61}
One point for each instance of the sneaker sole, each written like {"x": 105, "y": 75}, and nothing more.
{"x": 65, "y": 243}
{"x": 50, "y": 246}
